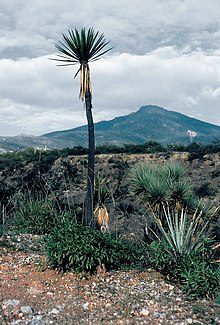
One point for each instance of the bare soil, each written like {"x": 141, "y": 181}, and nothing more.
{"x": 32, "y": 293}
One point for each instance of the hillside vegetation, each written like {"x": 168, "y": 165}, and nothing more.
{"x": 195, "y": 150}
{"x": 43, "y": 192}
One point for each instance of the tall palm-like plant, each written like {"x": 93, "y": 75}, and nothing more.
{"x": 83, "y": 47}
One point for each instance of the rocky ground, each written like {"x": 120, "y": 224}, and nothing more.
{"x": 32, "y": 293}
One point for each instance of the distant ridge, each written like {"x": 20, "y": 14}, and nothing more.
{"x": 148, "y": 123}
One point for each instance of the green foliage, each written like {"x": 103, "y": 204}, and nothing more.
{"x": 182, "y": 250}
{"x": 218, "y": 300}
{"x": 182, "y": 233}
{"x": 101, "y": 191}
{"x": 197, "y": 271}
{"x": 161, "y": 260}
{"x": 43, "y": 158}
{"x": 202, "y": 279}
{"x": 148, "y": 147}
{"x": 74, "y": 246}
{"x": 161, "y": 184}
{"x": 32, "y": 214}
{"x": 10, "y": 159}
{"x": 197, "y": 150}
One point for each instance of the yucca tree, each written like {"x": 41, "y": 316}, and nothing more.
{"x": 83, "y": 47}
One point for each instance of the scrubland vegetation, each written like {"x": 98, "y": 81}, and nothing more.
{"x": 177, "y": 243}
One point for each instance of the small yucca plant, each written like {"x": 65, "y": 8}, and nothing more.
{"x": 159, "y": 184}
{"x": 181, "y": 231}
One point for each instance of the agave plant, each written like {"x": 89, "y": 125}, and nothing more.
{"x": 181, "y": 231}
{"x": 82, "y": 48}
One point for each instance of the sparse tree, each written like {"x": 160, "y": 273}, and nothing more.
{"x": 83, "y": 47}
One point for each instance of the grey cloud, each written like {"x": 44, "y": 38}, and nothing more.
{"x": 165, "y": 53}
{"x": 45, "y": 97}
{"x": 31, "y": 28}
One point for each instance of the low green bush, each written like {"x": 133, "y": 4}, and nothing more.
{"x": 74, "y": 246}
{"x": 197, "y": 272}
{"x": 201, "y": 279}
{"x": 183, "y": 251}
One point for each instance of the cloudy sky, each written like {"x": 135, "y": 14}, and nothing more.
{"x": 166, "y": 53}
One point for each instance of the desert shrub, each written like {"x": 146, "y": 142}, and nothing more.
{"x": 74, "y": 246}
{"x": 197, "y": 272}
{"x": 182, "y": 232}
{"x": 161, "y": 184}
{"x": 183, "y": 250}
{"x": 32, "y": 214}
{"x": 166, "y": 185}
{"x": 201, "y": 279}
{"x": 43, "y": 158}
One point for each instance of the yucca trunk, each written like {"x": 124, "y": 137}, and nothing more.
{"x": 91, "y": 160}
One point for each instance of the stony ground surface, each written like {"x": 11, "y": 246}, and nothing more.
{"x": 32, "y": 293}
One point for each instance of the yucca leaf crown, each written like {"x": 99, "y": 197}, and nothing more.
{"x": 81, "y": 48}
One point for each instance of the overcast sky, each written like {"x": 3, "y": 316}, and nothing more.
{"x": 166, "y": 53}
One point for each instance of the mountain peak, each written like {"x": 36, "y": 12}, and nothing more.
{"x": 151, "y": 108}
{"x": 150, "y": 122}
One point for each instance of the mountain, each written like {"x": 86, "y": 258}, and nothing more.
{"x": 148, "y": 123}
{"x": 20, "y": 142}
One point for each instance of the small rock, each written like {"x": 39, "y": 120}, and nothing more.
{"x": 85, "y": 305}
{"x": 189, "y": 320}
{"x": 145, "y": 312}
{"x": 156, "y": 314}
{"x": 26, "y": 310}
{"x": 11, "y": 302}
{"x": 134, "y": 306}
{"x": 54, "y": 311}
{"x": 163, "y": 315}
{"x": 37, "y": 320}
